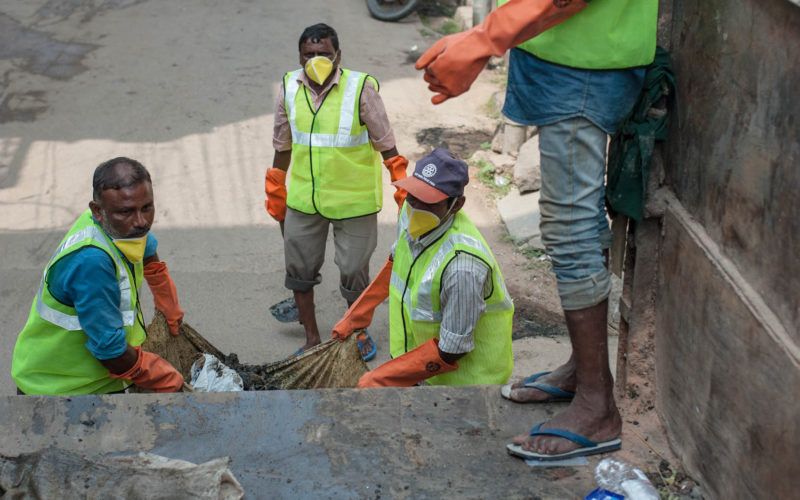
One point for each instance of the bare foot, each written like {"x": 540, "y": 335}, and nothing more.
{"x": 598, "y": 421}
{"x": 562, "y": 377}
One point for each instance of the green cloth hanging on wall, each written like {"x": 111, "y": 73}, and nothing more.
{"x": 631, "y": 148}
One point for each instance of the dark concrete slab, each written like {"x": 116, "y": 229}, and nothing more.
{"x": 397, "y": 443}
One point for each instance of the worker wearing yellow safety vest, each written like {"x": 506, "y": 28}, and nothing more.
{"x": 85, "y": 327}
{"x": 331, "y": 126}
{"x": 450, "y": 315}
{"x": 576, "y": 69}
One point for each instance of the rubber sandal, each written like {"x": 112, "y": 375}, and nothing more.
{"x": 558, "y": 395}
{"x": 588, "y": 447}
{"x": 299, "y": 352}
{"x": 361, "y": 339}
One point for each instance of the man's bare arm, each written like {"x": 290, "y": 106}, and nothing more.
{"x": 282, "y": 159}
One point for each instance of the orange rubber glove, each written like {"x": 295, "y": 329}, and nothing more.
{"x": 359, "y": 315}
{"x": 396, "y": 165}
{"x": 409, "y": 369}
{"x": 153, "y": 372}
{"x": 275, "y": 188}
{"x": 165, "y": 295}
{"x": 454, "y": 62}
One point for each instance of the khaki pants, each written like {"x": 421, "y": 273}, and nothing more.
{"x": 304, "y": 238}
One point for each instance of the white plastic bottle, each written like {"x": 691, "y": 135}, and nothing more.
{"x": 619, "y": 477}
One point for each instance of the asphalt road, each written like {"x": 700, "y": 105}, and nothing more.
{"x": 188, "y": 89}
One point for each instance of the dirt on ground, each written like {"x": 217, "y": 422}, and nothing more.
{"x": 462, "y": 141}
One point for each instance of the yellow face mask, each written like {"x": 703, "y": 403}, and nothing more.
{"x": 132, "y": 248}
{"x": 421, "y": 221}
{"x": 319, "y": 68}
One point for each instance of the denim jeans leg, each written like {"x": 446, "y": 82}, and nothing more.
{"x": 602, "y": 221}
{"x": 573, "y": 154}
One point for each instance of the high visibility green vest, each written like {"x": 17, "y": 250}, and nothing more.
{"x": 335, "y": 172}
{"x": 607, "y": 34}
{"x": 415, "y": 313}
{"x": 50, "y": 356}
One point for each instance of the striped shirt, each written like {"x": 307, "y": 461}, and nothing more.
{"x": 464, "y": 286}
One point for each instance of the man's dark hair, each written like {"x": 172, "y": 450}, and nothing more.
{"x": 318, "y": 32}
{"x": 118, "y": 173}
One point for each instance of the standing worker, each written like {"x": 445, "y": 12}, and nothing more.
{"x": 576, "y": 72}
{"x": 450, "y": 315}
{"x": 85, "y": 325}
{"x": 330, "y": 124}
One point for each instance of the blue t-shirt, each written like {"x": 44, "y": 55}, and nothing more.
{"x": 543, "y": 93}
{"x": 86, "y": 280}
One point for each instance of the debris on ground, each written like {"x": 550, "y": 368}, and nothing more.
{"x": 285, "y": 311}
{"x": 209, "y": 374}
{"x": 56, "y": 473}
{"x": 673, "y": 483}
{"x": 461, "y": 141}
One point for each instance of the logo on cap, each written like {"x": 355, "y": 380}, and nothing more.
{"x": 429, "y": 170}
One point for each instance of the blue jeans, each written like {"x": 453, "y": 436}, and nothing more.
{"x": 573, "y": 216}
{"x": 542, "y": 93}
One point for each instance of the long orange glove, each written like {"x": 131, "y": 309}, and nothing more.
{"x": 165, "y": 295}
{"x": 454, "y": 62}
{"x": 359, "y": 315}
{"x": 275, "y": 188}
{"x": 409, "y": 369}
{"x": 397, "y": 170}
{"x": 153, "y": 372}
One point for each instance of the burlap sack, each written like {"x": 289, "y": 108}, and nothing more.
{"x": 328, "y": 365}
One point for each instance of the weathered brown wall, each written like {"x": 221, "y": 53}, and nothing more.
{"x": 728, "y": 292}
{"x": 734, "y": 153}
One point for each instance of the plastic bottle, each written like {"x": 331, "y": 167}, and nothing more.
{"x": 619, "y": 477}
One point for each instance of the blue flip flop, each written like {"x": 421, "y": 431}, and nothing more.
{"x": 558, "y": 395}
{"x": 360, "y": 341}
{"x": 299, "y": 352}
{"x": 588, "y": 447}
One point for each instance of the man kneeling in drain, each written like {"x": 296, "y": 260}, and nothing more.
{"x": 450, "y": 315}
{"x": 85, "y": 327}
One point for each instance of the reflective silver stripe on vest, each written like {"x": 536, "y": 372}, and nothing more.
{"x": 399, "y": 284}
{"x": 349, "y": 103}
{"x": 290, "y": 90}
{"x": 68, "y": 321}
{"x": 342, "y": 139}
{"x": 424, "y": 309}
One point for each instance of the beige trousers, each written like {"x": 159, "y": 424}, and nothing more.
{"x": 304, "y": 239}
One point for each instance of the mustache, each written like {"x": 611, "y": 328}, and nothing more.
{"x": 138, "y": 233}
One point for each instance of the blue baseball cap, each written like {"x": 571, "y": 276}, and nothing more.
{"x": 436, "y": 177}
